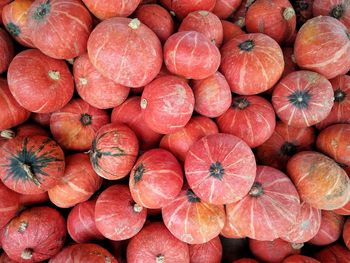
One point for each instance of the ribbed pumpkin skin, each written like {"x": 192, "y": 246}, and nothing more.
{"x": 299, "y": 259}
{"x": 269, "y": 210}
{"x": 336, "y": 253}
{"x": 224, "y": 8}
{"x": 9, "y": 204}
{"x": 7, "y": 50}
{"x": 210, "y": 252}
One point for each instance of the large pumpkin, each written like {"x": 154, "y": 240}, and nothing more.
{"x": 167, "y": 104}
{"x": 95, "y": 89}
{"x": 156, "y": 179}
{"x": 181, "y": 8}
{"x": 31, "y": 165}
{"x": 35, "y": 235}
{"x": 346, "y": 233}
{"x": 220, "y": 168}
{"x": 49, "y": 77}
{"x": 322, "y": 45}
{"x": 225, "y": 8}
{"x": 210, "y": 252}
{"x": 319, "y": 180}
{"x": 75, "y": 125}
{"x": 114, "y": 151}
{"x": 269, "y": 210}
{"x": 251, "y": 63}
{"x": 9, "y": 204}
{"x": 247, "y": 115}
{"x": 60, "y": 29}
{"x": 191, "y": 54}
{"x": 303, "y": 98}
{"x": 7, "y": 50}
{"x": 139, "y": 57}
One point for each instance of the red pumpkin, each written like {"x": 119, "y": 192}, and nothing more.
{"x": 114, "y": 151}
{"x": 155, "y": 179}
{"x": 239, "y": 16}
{"x": 220, "y": 168}
{"x": 111, "y": 8}
{"x": 251, "y": 63}
{"x": 247, "y": 115}
{"x": 5, "y": 259}
{"x": 345, "y": 210}
{"x": 31, "y": 165}
{"x": 307, "y": 225}
{"x": 330, "y": 230}
{"x": 210, "y": 252}
{"x": 75, "y": 125}
{"x": 2, "y": 4}
{"x": 113, "y": 207}
{"x": 212, "y": 95}
{"x": 269, "y": 210}
{"x": 12, "y": 114}
{"x": 206, "y": 23}
{"x": 346, "y": 233}
{"x": 14, "y": 16}
{"x": 225, "y": 8}
{"x": 303, "y": 10}
{"x": 273, "y": 251}
{"x": 50, "y": 78}
{"x": 289, "y": 61}
{"x": 58, "y": 28}
{"x": 229, "y": 231}
{"x": 192, "y": 220}
{"x": 28, "y": 200}
{"x": 34, "y": 235}
{"x": 9, "y": 204}
{"x": 78, "y": 184}
{"x": 158, "y": 19}
{"x": 333, "y": 58}
{"x": 231, "y": 30}
{"x": 84, "y": 253}
{"x": 181, "y": 8}
{"x": 191, "y": 54}
{"x": 130, "y": 113}
{"x": 95, "y": 89}
{"x": 299, "y": 259}
{"x": 303, "y": 98}
{"x": 245, "y": 260}
{"x": 139, "y": 58}
{"x": 81, "y": 224}
{"x": 283, "y": 144}
{"x": 180, "y": 142}
{"x": 274, "y": 18}
{"x": 319, "y": 180}
{"x": 156, "y": 244}
{"x": 334, "y": 254}
{"x": 42, "y": 118}
{"x": 7, "y": 50}
{"x": 167, "y": 104}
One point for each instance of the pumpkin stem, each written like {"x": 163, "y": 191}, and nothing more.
{"x": 138, "y": 173}
{"x": 192, "y": 198}
{"x": 256, "y": 190}
{"x": 13, "y": 29}
{"x": 172, "y": 13}
{"x": 143, "y": 104}
{"x": 42, "y": 10}
{"x": 300, "y": 99}
{"x": 249, "y": 3}
{"x": 216, "y": 170}
{"x": 247, "y": 45}
{"x": 160, "y": 259}
{"x": 297, "y": 245}
{"x": 137, "y": 208}
{"x": 7, "y": 134}
{"x": 30, "y": 174}
{"x": 85, "y": 119}
{"x": 240, "y": 103}
{"x": 240, "y": 22}
{"x": 288, "y": 13}
{"x": 337, "y": 11}
{"x": 22, "y": 226}
{"x": 70, "y": 60}
{"x": 339, "y": 95}
{"x": 27, "y": 254}
{"x": 288, "y": 149}
{"x": 203, "y": 13}
{"x": 54, "y": 74}
{"x": 83, "y": 81}
{"x": 134, "y": 23}
{"x": 303, "y": 5}
{"x": 108, "y": 260}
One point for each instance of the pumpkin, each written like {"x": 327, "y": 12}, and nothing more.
{"x": 284, "y": 143}
{"x": 269, "y": 210}
{"x": 95, "y": 89}
{"x": 307, "y": 225}
{"x": 156, "y": 18}
{"x": 333, "y": 56}
{"x": 289, "y": 61}
{"x": 78, "y": 184}
{"x": 111, "y": 8}
{"x": 346, "y": 233}
{"x": 336, "y": 253}
{"x": 75, "y": 125}
{"x": 245, "y": 260}
{"x": 34, "y": 235}
{"x": 7, "y": 50}
{"x": 274, "y": 18}
{"x": 14, "y": 16}
{"x": 81, "y": 224}
{"x": 229, "y": 231}
{"x": 114, "y": 151}
{"x": 42, "y": 118}
{"x": 156, "y": 244}
{"x": 9, "y": 204}
{"x": 191, "y": 54}
{"x": 345, "y": 210}
{"x": 251, "y": 63}
{"x": 5, "y": 259}
{"x": 247, "y": 115}
{"x": 273, "y": 251}
{"x": 31, "y": 165}
{"x": 130, "y": 113}
{"x": 225, "y": 8}
{"x": 33, "y": 199}
{"x": 84, "y": 253}
{"x": 12, "y": 114}
{"x": 113, "y": 206}
{"x": 299, "y": 259}
{"x": 58, "y": 28}
{"x": 204, "y": 22}
{"x": 212, "y": 95}
{"x": 319, "y": 180}
{"x": 210, "y": 252}
{"x": 155, "y": 179}
{"x": 180, "y": 142}
{"x": 239, "y": 16}
{"x": 220, "y": 168}
{"x": 50, "y": 78}
{"x": 139, "y": 58}
{"x": 330, "y": 230}
{"x": 2, "y": 4}
{"x": 192, "y": 220}
{"x": 303, "y": 98}
{"x": 303, "y": 10}
{"x": 230, "y": 31}
{"x": 167, "y": 104}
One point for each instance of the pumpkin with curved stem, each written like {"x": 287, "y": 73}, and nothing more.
{"x": 7, "y": 50}
{"x": 210, "y": 252}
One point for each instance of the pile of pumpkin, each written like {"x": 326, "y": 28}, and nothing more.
{"x": 155, "y": 131}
